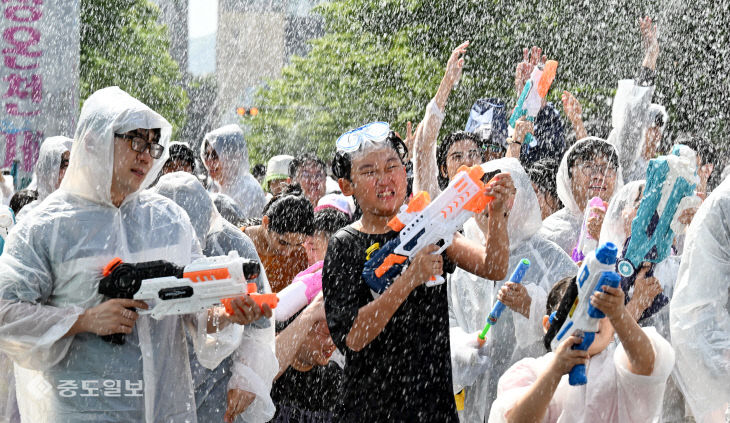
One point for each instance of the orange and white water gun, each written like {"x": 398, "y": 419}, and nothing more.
{"x": 424, "y": 222}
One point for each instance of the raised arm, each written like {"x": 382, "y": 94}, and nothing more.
{"x": 636, "y": 343}
{"x": 574, "y": 112}
{"x": 632, "y": 100}
{"x": 424, "y": 146}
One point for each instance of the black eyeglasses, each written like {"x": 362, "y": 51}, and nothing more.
{"x": 140, "y": 144}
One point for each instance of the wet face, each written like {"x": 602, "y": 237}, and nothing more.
{"x": 704, "y": 171}
{"x": 177, "y": 165}
{"x": 313, "y": 180}
{"x": 548, "y": 203}
{"x": 277, "y": 185}
{"x": 462, "y": 153}
{"x": 493, "y": 152}
{"x": 379, "y": 182}
{"x": 131, "y": 167}
{"x": 284, "y": 244}
{"x": 316, "y": 247}
{"x": 213, "y": 163}
{"x": 318, "y": 347}
{"x": 63, "y": 166}
{"x": 593, "y": 178}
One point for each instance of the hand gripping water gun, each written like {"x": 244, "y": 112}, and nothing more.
{"x": 669, "y": 190}
{"x": 582, "y": 318}
{"x": 7, "y": 221}
{"x": 586, "y": 243}
{"x": 423, "y": 223}
{"x": 499, "y": 306}
{"x": 170, "y": 289}
{"x": 535, "y": 90}
{"x": 305, "y": 286}
{"x": 670, "y": 185}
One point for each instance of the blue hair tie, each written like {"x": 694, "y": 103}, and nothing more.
{"x": 551, "y": 318}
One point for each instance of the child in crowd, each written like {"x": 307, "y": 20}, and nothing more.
{"x": 308, "y": 382}
{"x": 542, "y": 175}
{"x": 396, "y": 344}
{"x": 280, "y": 235}
{"x": 626, "y": 381}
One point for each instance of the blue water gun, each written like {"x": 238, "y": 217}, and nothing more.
{"x": 582, "y": 318}
{"x": 499, "y": 306}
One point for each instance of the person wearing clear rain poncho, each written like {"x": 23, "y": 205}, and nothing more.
{"x": 700, "y": 311}
{"x": 225, "y": 154}
{"x": 51, "y": 314}
{"x": 641, "y": 295}
{"x": 590, "y": 168}
{"x": 517, "y": 334}
{"x": 244, "y": 379}
{"x": 53, "y": 159}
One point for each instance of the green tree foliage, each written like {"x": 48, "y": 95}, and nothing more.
{"x": 383, "y": 59}
{"x": 123, "y": 44}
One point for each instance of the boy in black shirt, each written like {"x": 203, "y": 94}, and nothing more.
{"x": 396, "y": 344}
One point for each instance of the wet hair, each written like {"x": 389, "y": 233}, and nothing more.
{"x": 542, "y": 174}
{"x": 290, "y": 212}
{"x": 302, "y": 160}
{"x": 442, "y": 152}
{"x": 22, "y": 198}
{"x": 258, "y": 171}
{"x": 329, "y": 221}
{"x": 183, "y": 153}
{"x": 560, "y": 300}
{"x": 589, "y": 150}
{"x": 342, "y": 162}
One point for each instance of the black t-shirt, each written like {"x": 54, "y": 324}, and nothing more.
{"x": 307, "y": 396}
{"x": 404, "y": 374}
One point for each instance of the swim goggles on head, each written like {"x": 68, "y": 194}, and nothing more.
{"x": 351, "y": 141}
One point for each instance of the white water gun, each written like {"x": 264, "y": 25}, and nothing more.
{"x": 170, "y": 289}
{"x": 424, "y": 222}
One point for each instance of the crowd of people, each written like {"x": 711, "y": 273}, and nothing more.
{"x": 408, "y": 352}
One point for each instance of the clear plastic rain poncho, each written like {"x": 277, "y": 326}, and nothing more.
{"x": 49, "y": 275}
{"x": 563, "y": 226}
{"x": 230, "y": 145}
{"x": 614, "y": 229}
{"x": 253, "y": 365}
{"x": 47, "y": 169}
{"x": 631, "y": 115}
{"x": 471, "y": 298}
{"x": 700, "y": 311}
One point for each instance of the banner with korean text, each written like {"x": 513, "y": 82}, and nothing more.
{"x": 39, "y": 79}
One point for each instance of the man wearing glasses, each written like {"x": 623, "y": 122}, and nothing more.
{"x": 51, "y": 314}
{"x": 308, "y": 170}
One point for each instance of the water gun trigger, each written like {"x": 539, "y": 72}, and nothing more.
{"x": 390, "y": 261}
